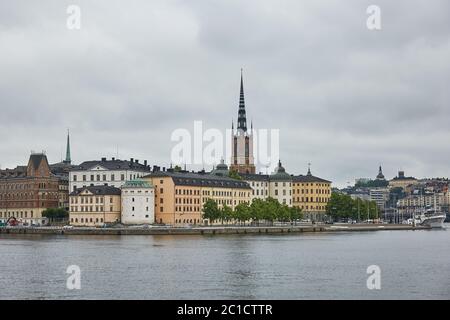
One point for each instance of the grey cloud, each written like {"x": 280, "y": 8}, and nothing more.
{"x": 345, "y": 98}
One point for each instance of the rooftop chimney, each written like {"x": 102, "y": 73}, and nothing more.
{"x": 103, "y": 159}
{"x": 131, "y": 160}
{"x": 145, "y": 162}
{"x": 137, "y": 161}
{"x": 113, "y": 158}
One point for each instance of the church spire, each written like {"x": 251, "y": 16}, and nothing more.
{"x": 242, "y": 119}
{"x": 68, "y": 160}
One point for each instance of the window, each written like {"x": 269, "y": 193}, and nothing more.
{"x": 74, "y": 177}
{"x": 122, "y": 177}
{"x": 84, "y": 177}
{"x": 112, "y": 177}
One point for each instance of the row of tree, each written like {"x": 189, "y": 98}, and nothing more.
{"x": 267, "y": 210}
{"x": 343, "y": 206}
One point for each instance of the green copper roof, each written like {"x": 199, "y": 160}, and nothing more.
{"x": 137, "y": 184}
{"x": 221, "y": 169}
{"x": 280, "y": 174}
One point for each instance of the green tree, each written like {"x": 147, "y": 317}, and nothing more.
{"x": 226, "y": 213}
{"x": 271, "y": 208}
{"x": 211, "y": 210}
{"x": 283, "y": 213}
{"x": 256, "y": 210}
{"x": 295, "y": 214}
{"x": 234, "y": 175}
{"x": 55, "y": 214}
{"x": 242, "y": 212}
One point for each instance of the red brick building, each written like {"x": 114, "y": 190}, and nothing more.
{"x": 26, "y": 191}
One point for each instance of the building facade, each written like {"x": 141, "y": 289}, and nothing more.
{"x": 180, "y": 196}
{"x": 26, "y": 191}
{"x": 105, "y": 172}
{"x": 242, "y": 159}
{"x": 138, "y": 202}
{"x": 95, "y": 206}
{"x": 401, "y": 181}
{"x": 311, "y": 194}
{"x": 280, "y": 185}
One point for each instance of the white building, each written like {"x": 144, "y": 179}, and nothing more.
{"x": 259, "y": 184}
{"x": 280, "y": 185}
{"x": 380, "y": 196}
{"x": 113, "y": 172}
{"x": 138, "y": 202}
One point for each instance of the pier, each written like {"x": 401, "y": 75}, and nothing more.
{"x": 220, "y": 230}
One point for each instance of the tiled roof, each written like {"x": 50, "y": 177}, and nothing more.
{"x": 112, "y": 165}
{"x": 308, "y": 178}
{"x": 201, "y": 179}
{"x": 98, "y": 190}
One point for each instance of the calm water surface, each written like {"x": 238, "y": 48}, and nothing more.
{"x": 414, "y": 265}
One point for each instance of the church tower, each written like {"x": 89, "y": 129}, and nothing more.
{"x": 68, "y": 159}
{"x": 242, "y": 159}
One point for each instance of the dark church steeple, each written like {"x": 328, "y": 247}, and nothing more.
{"x": 68, "y": 159}
{"x": 242, "y": 118}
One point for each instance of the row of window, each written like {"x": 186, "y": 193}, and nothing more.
{"x": 89, "y": 199}
{"x": 187, "y": 209}
{"x": 318, "y": 191}
{"x": 89, "y": 208}
{"x": 22, "y": 196}
{"x": 25, "y": 186}
{"x": 186, "y": 200}
{"x": 311, "y": 199}
{"x": 103, "y": 177}
{"x": 17, "y": 214}
{"x": 87, "y": 220}
{"x": 191, "y": 221}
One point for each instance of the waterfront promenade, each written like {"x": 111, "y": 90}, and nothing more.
{"x": 211, "y": 230}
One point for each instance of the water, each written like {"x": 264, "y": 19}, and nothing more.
{"x": 414, "y": 265}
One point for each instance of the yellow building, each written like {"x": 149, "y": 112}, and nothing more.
{"x": 401, "y": 181}
{"x": 311, "y": 194}
{"x": 179, "y": 196}
{"x": 94, "y": 205}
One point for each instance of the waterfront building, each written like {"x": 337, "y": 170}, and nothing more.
{"x": 401, "y": 181}
{"x": 26, "y": 191}
{"x": 105, "y": 172}
{"x": 242, "y": 160}
{"x": 138, "y": 202}
{"x": 416, "y": 203}
{"x": 94, "y": 206}
{"x": 280, "y": 185}
{"x": 180, "y": 195}
{"x": 259, "y": 184}
{"x": 311, "y": 194}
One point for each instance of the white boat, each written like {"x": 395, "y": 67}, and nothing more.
{"x": 432, "y": 218}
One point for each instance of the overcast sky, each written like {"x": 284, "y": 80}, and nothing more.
{"x": 345, "y": 98}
